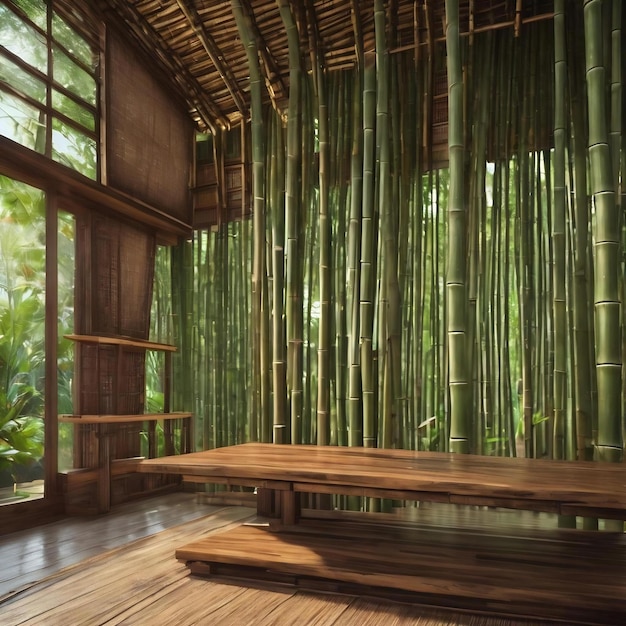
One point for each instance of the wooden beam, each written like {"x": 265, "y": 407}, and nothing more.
{"x": 515, "y": 24}
{"x": 70, "y": 479}
{"x": 357, "y": 28}
{"x": 123, "y": 341}
{"x": 215, "y": 54}
{"x": 121, "y": 419}
{"x": 75, "y": 189}
{"x": 518, "y": 17}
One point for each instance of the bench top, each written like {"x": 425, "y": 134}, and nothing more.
{"x": 566, "y": 487}
{"x": 563, "y": 575}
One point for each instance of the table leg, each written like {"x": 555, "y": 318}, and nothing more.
{"x": 265, "y": 502}
{"x": 289, "y": 507}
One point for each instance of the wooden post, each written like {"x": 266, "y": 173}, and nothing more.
{"x": 152, "y": 440}
{"x": 168, "y": 431}
{"x": 289, "y": 507}
{"x": 265, "y": 499}
{"x": 104, "y": 469}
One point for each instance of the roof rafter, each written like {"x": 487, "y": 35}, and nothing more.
{"x": 215, "y": 54}
{"x": 197, "y": 43}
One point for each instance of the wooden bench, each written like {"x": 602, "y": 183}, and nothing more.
{"x": 281, "y": 472}
{"x": 568, "y": 576}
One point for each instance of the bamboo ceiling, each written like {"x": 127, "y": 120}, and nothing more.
{"x": 198, "y": 45}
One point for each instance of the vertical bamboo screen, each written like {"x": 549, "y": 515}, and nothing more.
{"x": 391, "y": 278}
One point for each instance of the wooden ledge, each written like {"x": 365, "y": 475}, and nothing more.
{"x": 120, "y": 419}
{"x": 122, "y": 341}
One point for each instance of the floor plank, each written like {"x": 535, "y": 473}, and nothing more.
{"x": 197, "y": 600}
{"x": 33, "y": 554}
{"x": 312, "y": 609}
{"x": 109, "y": 583}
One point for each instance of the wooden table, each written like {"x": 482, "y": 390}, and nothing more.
{"x": 281, "y": 472}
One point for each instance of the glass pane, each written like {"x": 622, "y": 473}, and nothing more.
{"x": 73, "y": 110}
{"x": 73, "y": 42}
{"x": 66, "y": 73}
{"x": 22, "y": 122}
{"x": 161, "y": 311}
{"x": 73, "y": 148}
{"x": 65, "y": 349}
{"x": 22, "y": 340}
{"x": 22, "y": 80}
{"x": 23, "y": 40}
{"x": 35, "y": 10}
{"x": 161, "y": 332}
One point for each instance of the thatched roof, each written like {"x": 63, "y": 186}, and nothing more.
{"x": 198, "y": 44}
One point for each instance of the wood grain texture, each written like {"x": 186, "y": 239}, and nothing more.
{"x": 558, "y": 575}
{"x": 582, "y": 488}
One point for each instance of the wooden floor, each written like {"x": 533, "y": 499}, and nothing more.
{"x": 33, "y": 554}
{"x": 121, "y": 569}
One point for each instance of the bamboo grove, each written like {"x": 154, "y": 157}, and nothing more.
{"x": 382, "y": 295}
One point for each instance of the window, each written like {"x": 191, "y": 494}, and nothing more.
{"x": 22, "y": 338}
{"x": 50, "y": 83}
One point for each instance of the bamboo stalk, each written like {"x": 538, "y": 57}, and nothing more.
{"x": 608, "y": 355}
{"x": 355, "y": 407}
{"x": 558, "y": 234}
{"x": 293, "y": 285}
{"x": 390, "y": 347}
{"x": 279, "y": 353}
{"x": 455, "y": 278}
{"x": 368, "y": 261}
{"x": 341, "y": 191}
{"x": 325, "y": 250}
{"x": 259, "y": 311}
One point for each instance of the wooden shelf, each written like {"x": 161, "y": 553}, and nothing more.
{"x": 119, "y": 341}
{"x": 116, "y": 419}
{"x": 111, "y": 391}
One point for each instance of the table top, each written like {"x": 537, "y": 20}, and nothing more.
{"x": 442, "y": 476}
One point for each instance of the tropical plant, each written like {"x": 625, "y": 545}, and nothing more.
{"x": 22, "y": 259}
{"x": 21, "y": 434}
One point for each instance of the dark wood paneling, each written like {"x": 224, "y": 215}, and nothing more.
{"x": 149, "y": 136}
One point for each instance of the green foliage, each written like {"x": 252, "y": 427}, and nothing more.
{"x": 22, "y": 350}
{"x": 538, "y": 418}
{"x": 429, "y": 434}
{"x": 21, "y": 436}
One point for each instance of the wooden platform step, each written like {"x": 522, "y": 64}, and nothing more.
{"x": 569, "y": 576}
